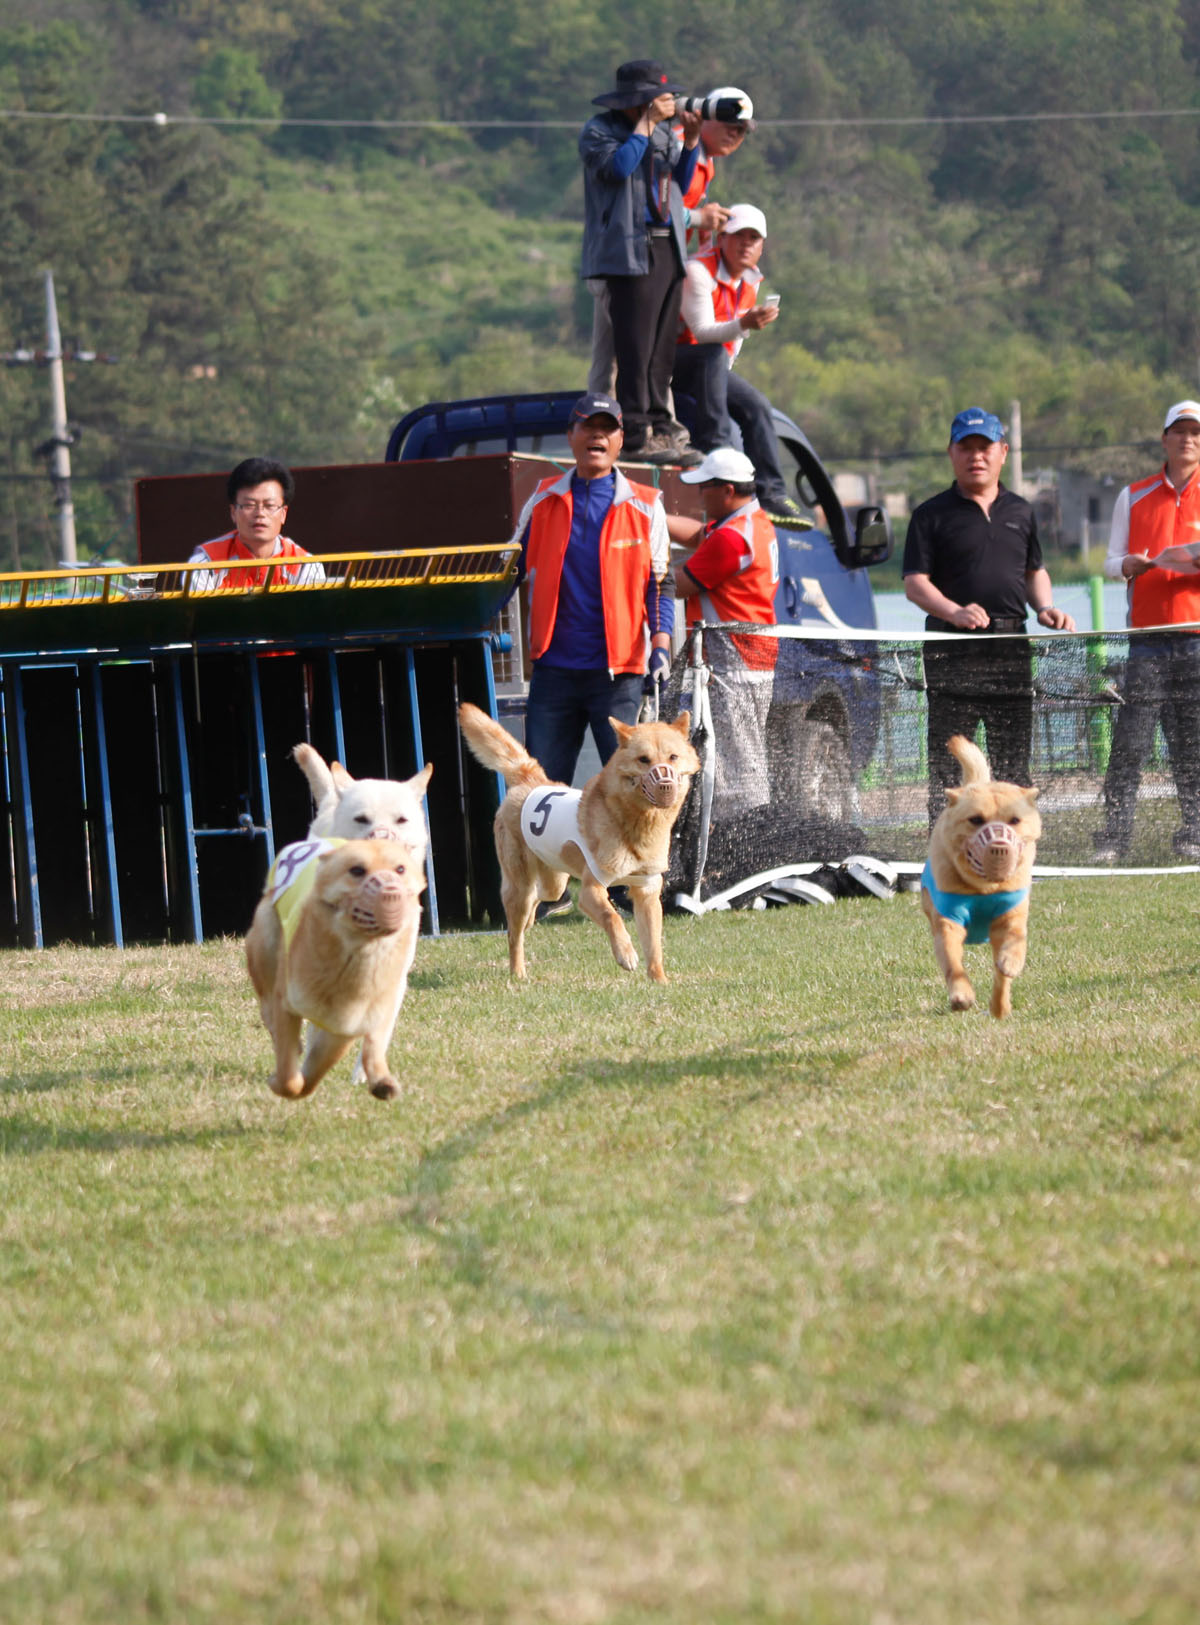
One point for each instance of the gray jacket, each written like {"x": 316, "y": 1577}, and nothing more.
{"x": 614, "y": 212}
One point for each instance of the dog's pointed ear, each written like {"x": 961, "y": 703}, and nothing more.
{"x": 340, "y": 777}
{"x": 621, "y": 729}
{"x": 953, "y": 794}
{"x": 682, "y": 723}
{"x": 419, "y": 781}
{"x": 1030, "y": 795}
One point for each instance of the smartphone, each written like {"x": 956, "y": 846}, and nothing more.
{"x": 771, "y": 300}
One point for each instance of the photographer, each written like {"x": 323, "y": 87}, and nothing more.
{"x": 726, "y": 116}
{"x": 636, "y": 171}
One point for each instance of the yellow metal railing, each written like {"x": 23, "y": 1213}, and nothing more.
{"x": 344, "y": 572}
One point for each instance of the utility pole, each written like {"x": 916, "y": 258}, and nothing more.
{"x": 60, "y": 435}
{"x": 56, "y": 450}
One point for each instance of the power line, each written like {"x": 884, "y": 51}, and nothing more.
{"x": 162, "y": 120}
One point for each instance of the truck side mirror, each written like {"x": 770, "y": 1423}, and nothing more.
{"x": 872, "y": 538}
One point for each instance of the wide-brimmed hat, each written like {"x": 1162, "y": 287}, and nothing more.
{"x": 638, "y": 83}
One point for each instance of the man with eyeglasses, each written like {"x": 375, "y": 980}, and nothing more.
{"x": 259, "y": 491}
{"x": 1154, "y": 546}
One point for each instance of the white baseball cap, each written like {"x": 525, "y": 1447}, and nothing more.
{"x": 1181, "y": 409}
{"x": 725, "y": 464}
{"x": 744, "y": 216}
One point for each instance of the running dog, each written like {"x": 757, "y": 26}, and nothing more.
{"x": 615, "y": 831}
{"x": 351, "y": 809}
{"x": 332, "y": 943}
{"x": 370, "y": 809}
{"x": 975, "y": 886}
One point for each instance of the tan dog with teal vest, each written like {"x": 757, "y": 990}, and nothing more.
{"x": 975, "y": 887}
{"x": 331, "y": 943}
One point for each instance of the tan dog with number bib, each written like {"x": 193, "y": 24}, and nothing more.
{"x": 332, "y": 943}
{"x": 615, "y": 831}
{"x": 975, "y": 887}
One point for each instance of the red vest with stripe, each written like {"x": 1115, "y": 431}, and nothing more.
{"x": 730, "y": 299}
{"x": 1160, "y": 516}
{"x": 748, "y": 594}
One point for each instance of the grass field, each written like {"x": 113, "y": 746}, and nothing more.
{"x": 776, "y": 1294}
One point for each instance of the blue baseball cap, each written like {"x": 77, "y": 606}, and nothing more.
{"x": 974, "y": 420}
{"x": 588, "y": 406}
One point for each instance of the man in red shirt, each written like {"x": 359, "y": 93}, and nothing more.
{"x": 732, "y": 576}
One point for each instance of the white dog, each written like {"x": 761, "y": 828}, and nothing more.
{"x": 351, "y": 809}
{"x": 366, "y": 809}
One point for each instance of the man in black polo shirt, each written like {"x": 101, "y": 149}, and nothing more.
{"x": 972, "y": 561}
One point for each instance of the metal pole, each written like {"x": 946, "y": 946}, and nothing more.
{"x": 1016, "y": 463}
{"x": 60, "y": 456}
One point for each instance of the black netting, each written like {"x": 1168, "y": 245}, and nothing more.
{"x": 833, "y": 751}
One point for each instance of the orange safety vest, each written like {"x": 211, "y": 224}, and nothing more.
{"x": 748, "y": 594}
{"x": 701, "y": 176}
{"x": 1160, "y": 516}
{"x": 730, "y": 299}
{"x": 225, "y": 549}
{"x": 626, "y": 566}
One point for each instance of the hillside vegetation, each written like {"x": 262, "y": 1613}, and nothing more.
{"x": 291, "y": 287}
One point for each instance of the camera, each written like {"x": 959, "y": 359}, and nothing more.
{"x": 729, "y": 105}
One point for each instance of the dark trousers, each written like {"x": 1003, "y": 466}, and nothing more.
{"x": 1162, "y": 683}
{"x": 564, "y": 703}
{"x": 723, "y": 399}
{"x": 976, "y": 681}
{"x": 645, "y": 324}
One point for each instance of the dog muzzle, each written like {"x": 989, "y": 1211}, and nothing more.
{"x": 994, "y": 851}
{"x": 380, "y": 905}
{"x": 660, "y": 785}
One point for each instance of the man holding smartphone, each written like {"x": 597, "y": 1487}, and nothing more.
{"x": 720, "y": 306}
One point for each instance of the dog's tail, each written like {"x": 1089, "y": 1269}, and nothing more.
{"x": 970, "y": 758}
{"x": 496, "y": 748}
{"x": 320, "y": 779}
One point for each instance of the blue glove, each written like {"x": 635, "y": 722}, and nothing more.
{"x": 660, "y": 665}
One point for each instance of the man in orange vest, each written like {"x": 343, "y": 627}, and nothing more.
{"x": 1153, "y": 546}
{"x": 727, "y": 115}
{"x": 720, "y": 307}
{"x": 732, "y": 576}
{"x": 595, "y": 553}
{"x": 259, "y": 491}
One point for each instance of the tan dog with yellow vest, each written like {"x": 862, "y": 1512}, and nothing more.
{"x": 332, "y": 943}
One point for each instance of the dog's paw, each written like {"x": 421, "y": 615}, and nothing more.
{"x": 626, "y": 956}
{"x": 1010, "y": 961}
{"x": 962, "y": 996}
{"x": 289, "y": 1088}
{"x": 385, "y": 1088}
